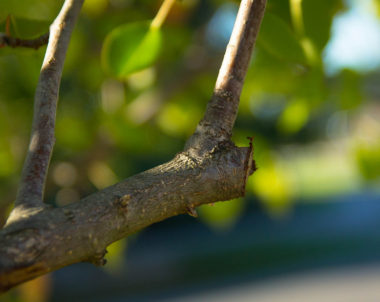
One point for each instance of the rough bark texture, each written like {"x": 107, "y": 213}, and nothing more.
{"x": 40, "y": 239}
{"x": 56, "y": 237}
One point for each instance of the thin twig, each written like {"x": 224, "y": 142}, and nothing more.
{"x": 6, "y": 40}
{"x": 30, "y": 193}
{"x": 221, "y": 111}
{"x": 162, "y": 13}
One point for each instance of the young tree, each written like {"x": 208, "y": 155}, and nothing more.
{"x": 38, "y": 238}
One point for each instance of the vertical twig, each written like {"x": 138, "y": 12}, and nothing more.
{"x": 162, "y": 13}
{"x": 221, "y": 111}
{"x": 31, "y": 188}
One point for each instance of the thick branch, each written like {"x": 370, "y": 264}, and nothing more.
{"x": 6, "y": 40}
{"x": 30, "y": 192}
{"x": 222, "y": 109}
{"x": 53, "y": 238}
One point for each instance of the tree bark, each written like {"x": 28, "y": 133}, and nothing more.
{"x": 31, "y": 188}
{"x": 40, "y": 239}
{"x": 56, "y": 237}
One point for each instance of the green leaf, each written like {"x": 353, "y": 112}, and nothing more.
{"x": 30, "y": 9}
{"x": 28, "y": 28}
{"x": 130, "y": 48}
{"x": 278, "y": 39}
{"x": 318, "y": 17}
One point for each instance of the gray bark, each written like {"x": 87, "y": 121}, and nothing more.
{"x": 31, "y": 188}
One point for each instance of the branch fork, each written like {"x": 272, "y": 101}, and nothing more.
{"x": 210, "y": 169}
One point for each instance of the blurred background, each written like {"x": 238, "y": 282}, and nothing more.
{"x": 308, "y": 228}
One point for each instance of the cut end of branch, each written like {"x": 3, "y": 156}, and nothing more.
{"x": 250, "y": 164}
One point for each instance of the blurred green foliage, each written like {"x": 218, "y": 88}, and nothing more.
{"x": 109, "y": 129}
{"x": 130, "y": 97}
{"x": 30, "y": 9}
{"x": 27, "y": 28}
{"x": 222, "y": 215}
{"x": 284, "y": 46}
{"x": 368, "y": 157}
{"x": 130, "y": 48}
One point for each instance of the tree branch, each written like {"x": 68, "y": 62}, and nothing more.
{"x": 210, "y": 169}
{"x": 31, "y": 188}
{"x": 6, "y": 40}
{"x": 222, "y": 109}
{"x": 54, "y": 238}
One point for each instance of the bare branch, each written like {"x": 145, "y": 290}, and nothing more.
{"x": 6, "y": 40}
{"x": 221, "y": 111}
{"x": 30, "y": 193}
{"x": 211, "y": 169}
{"x": 56, "y": 237}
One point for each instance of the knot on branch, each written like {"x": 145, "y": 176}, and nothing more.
{"x": 190, "y": 209}
{"x": 69, "y": 214}
{"x": 98, "y": 258}
{"x": 122, "y": 202}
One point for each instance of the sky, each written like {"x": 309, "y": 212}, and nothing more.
{"x": 355, "y": 40}
{"x": 354, "y": 43}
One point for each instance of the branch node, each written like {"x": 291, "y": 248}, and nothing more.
{"x": 98, "y": 258}
{"x": 190, "y": 210}
{"x": 69, "y": 214}
{"x": 122, "y": 202}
